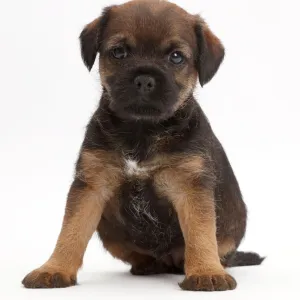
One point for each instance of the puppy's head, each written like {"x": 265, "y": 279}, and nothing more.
{"x": 151, "y": 53}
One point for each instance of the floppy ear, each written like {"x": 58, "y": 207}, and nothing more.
{"x": 91, "y": 37}
{"x": 210, "y": 52}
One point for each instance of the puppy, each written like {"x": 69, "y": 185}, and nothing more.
{"x": 152, "y": 178}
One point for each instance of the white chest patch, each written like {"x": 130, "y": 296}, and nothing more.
{"x": 132, "y": 168}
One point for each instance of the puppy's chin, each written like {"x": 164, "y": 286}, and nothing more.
{"x": 141, "y": 112}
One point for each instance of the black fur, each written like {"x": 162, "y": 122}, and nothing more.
{"x": 240, "y": 259}
{"x": 188, "y": 131}
{"x": 208, "y": 60}
{"x": 91, "y": 39}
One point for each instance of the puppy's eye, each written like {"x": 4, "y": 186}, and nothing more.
{"x": 176, "y": 58}
{"x": 119, "y": 53}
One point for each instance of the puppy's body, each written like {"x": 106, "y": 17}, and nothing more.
{"x": 144, "y": 220}
{"x": 151, "y": 177}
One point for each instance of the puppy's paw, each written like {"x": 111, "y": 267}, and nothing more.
{"x": 44, "y": 278}
{"x": 221, "y": 282}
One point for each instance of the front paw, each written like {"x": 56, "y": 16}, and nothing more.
{"x": 48, "y": 278}
{"x": 221, "y": 282}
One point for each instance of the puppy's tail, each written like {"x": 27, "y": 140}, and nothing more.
{"x": 239, "y": 259}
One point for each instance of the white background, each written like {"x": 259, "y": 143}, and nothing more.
{"x": 47, "y": 97}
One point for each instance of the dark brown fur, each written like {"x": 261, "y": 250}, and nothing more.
{"x": 152, "y": 178}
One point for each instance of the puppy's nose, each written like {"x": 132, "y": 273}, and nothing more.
{"x": 144, "y": 84}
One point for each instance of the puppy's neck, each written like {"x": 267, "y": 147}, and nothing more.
{"x": 142, "y": 139}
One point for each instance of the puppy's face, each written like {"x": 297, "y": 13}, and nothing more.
{"x": 151, "y": 53}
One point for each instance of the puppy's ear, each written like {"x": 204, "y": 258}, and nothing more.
{"x": 91, "y": 38}
{"x": 210, "y": 52}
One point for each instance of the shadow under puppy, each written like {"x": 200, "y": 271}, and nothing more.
{"x": 151, "y": 177}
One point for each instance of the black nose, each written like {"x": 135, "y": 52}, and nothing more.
{"x": 144, "y": 84}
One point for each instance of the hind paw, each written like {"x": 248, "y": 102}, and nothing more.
{"x": 155, "y": 268}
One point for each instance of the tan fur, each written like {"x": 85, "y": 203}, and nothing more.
{"x": 189, "y": 82}
{"x": 196, "y": 213}
{"x": 122, "y": 252}
{"x": 101, "y": 171}
{"x": 77, "y": 230}
{"x": 117, "y": 251}
{"x": 82, "y": 215}
{"x": 181, "y": 46}
{"x": 117, "y": 39}
{"x": 226, "y": 246}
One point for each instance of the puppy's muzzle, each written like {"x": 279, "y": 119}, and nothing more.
{"x": 144, "y": 91}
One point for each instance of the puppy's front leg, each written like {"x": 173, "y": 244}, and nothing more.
{"x": 203, "y": 269}
{"x": 95, "y": 185}
{"x": 195, "y": 208}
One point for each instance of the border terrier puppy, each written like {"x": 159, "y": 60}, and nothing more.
{"x": 152, "y": 178}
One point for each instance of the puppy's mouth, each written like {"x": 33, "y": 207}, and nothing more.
{"x": 142, "y": 110}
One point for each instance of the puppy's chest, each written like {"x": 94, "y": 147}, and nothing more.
{"x": 139, "y": 199}
{"x": 150, "y": 220}
{"x": 133, "y": 168}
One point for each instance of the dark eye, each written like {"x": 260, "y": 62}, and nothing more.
{"x": 119, "y": 53}
{"x": 176, "y": 58}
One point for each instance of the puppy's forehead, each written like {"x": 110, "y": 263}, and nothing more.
{"x": 151, "y": 22}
